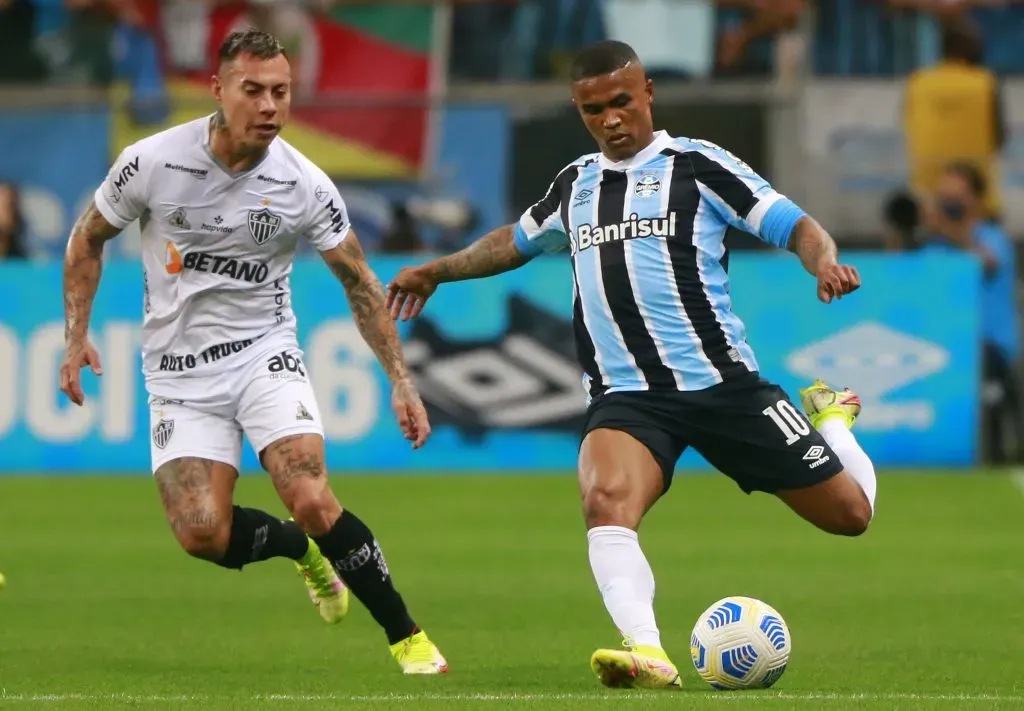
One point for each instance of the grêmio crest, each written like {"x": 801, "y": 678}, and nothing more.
{"x": 263, "y": 225}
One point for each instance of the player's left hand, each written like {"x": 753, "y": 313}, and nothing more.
{"x": 837, "y": 280}
{"x": 412, "y": 415}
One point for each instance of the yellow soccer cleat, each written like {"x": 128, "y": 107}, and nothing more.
{"x": 418, "y": 655}
{"x": 326, "y": 590}
{"x": 635, "y": 668}
{"x": 821, "y": 403}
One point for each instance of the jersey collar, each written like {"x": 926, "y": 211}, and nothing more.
{"x": 217, "y": 161}
{"x": 661, "y": 142}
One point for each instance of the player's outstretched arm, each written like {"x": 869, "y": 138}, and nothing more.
{"x": 83, "y": 263}
{"x": 366, "y": 300}
{"x": 494, "y": 253}
{"x": 820, "y": 256}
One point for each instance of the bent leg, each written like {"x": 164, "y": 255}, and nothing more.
{"x": 196, "y": 455}
{"x": 278, "y": 410}
{"x": 197, "y": 496}
{"x": 844, "y": 504}
{"x": 837, "y": 505}
{"x": 753, "y": 433}
{"x": 296, "y": 464}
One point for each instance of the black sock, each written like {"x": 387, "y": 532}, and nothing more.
{"x": 256, "y": 536}
{"x": 355, "y": 554}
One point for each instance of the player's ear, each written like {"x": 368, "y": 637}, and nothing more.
{"x": 649, "y": 88}
{"x": 216, "y": 88}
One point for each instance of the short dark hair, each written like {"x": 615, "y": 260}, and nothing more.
{"x": 258, "y": 43}
{"x": 902, "y": 211}
{"x": 961, "y": 39}
{"x": 600, "y": 58}
{"x": 970, "y": 174}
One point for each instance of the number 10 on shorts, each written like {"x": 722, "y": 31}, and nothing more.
{"x": 788, "y": 420}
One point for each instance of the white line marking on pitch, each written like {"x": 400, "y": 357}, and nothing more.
{"x": 505, "y": 697}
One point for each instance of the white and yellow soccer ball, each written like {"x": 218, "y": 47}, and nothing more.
{"x": 740, "y": 643}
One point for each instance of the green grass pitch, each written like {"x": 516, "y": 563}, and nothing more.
{"x": 102, "y": 611}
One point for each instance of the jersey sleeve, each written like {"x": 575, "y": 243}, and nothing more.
{"x": 741, "y": 197}
{"x": 540, "y": 228}
{"x": 122, "y": 197}
{"x": 328, "y": 217}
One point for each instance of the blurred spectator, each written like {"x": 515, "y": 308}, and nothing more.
{"x": 953, "y": 112}
{"x": 956, "y": 218}
{"x": 20, "y": 63}
{"x": 480, "y": 38}
{"x": 139, "y": 64}
{"x": 76, "y": 36}
{"x": 12, "y": 225}
{"x": 763, "y": 18}
{"x": 902, "y": 219}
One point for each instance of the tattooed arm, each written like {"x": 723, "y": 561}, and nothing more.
{"x": 83, "y": 263}
{"x": 819, "y": 255}
{"x": 813, "y": 245}
{"x": 366, "y": 299}
{"x": 494, "y": 253}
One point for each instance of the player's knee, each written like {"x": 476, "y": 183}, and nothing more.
{"x": 611, "y": 503}
{"x": 315, "y": 509}
{"x": 854, "y": 516}
{"x": 202, "y": 534}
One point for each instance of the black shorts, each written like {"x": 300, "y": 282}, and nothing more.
{"x": 748, "y": 429}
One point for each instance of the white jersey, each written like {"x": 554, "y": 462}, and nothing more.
{"x": 217, "y": 246}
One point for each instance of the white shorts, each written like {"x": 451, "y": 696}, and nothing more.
{"x": 265, "y": 395}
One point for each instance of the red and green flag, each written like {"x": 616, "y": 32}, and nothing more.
{"x": 370, "y": 117}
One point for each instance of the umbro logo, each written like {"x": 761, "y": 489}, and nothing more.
{"x": 583, "y": 197}
{"x": 814, "y": 452}
{"x": 816, "y": 456}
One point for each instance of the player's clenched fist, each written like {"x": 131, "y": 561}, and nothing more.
{"x": 412, "y": 416}
{"x": 77, "y": 355}
{"x": 409, "y": 291}
{"x": 836, "y": 280}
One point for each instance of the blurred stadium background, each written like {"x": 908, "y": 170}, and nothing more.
{"x": 440, "y": 121}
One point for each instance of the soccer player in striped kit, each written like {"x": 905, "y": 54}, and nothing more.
{"x": 666, "y": 360}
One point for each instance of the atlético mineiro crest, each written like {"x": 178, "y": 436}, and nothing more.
{"x": 162, "y": 433}
{"x": 263, "y": 225}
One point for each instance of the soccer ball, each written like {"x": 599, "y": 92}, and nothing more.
{"x": 740, "y": 643}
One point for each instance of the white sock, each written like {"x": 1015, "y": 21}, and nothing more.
{"x": 856, "y": 463}
{"x": 626, "y": 582}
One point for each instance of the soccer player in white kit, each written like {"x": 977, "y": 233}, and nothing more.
{"x": 222, "y": 203}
